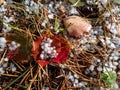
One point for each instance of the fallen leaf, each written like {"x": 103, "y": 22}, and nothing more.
{"x": 1, "y": 1}
{"x": 77, "y": 26}
{"x": 62, "y": 48}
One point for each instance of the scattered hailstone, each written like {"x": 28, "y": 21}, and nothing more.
{"x": 51, "y": 16}
{"x": 6, "y": 28}
{"x": 13, "y": 45}
{"x": 2, "y": 43}
{"x": 99, "y": 68}
{"x": 76, "y": 76}
{"x": 12, "y": 67}
{"x": 91, "y": 67}
{"x": 104, "y": 1}
{"x": 73, "y": 10}
{"x": 2, "y": 71}
{"x": 47, "y": 50}
{"x": 5, "y": 65}
{"x": 6, "y": 59}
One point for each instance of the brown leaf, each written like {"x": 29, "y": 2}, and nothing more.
{"x": 77, "y": 26}
{"x": 1, "y": 1}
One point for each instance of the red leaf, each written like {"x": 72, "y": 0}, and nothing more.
{"x": 62, "y": 48}
{"x": 42, "y": 62}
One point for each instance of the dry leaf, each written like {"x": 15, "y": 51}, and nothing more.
{"x": 77, "y": 26}
{"x": 1, "y": 1}
{"x": 62, "y": 47}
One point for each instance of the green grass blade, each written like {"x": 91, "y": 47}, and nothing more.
{"x": 6, "y": 87}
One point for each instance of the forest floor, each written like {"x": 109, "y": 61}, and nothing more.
{"x": 59, "y": 45}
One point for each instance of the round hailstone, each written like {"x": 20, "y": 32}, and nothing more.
{"x": 2, "y": 70}
{"x": 5, "y": 65}
{"x": 13, "y": 69}
{"x": 81, "y": 84}
{"x": 6, "y": 59}
{"x": 104, "y": 1}
{"x": 76, "y": 76}
{"x": 76, "y": 81}
{"x": 99, "y": 68}
{"x": 91, "y": 67}
{"x": 115, "y": 63}
{"x": 42, "y": 56}
{"x": 51, "y": 16}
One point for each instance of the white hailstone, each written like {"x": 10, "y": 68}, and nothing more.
{"x": 5, "y": 65}
{"x": 95, "y": 79}
{"x": 42, "y": 56}
{"x": 104, "y": 1}
{"x": 2, "y": 70}
{"x": 76, "y": 76}
{"x": 81, "y": 84}
{"x": 73, "y": 10}
{"x": 101, "y": 88}
{"x": 85, "y": 83}
{"x": 18, "y": 45}
{"x": 115, "y": 58}
{"x": 114, "y": 67}
{"x": 76, "y": 81}
{"x": 112, "y": 46}
{"x": 2, "y": 40}
{"x": 51, "y": 16}
{"x": 116, "y": 85}
{"x": 12, "y": 67}
{"x": 106, "y": 64}
{"x": 44, "y": 23}
{"x": 71, "y": 78}
{"x": 49, "y": 40}
{"x": 87, "y": 88}
{"x": 6, "y": 59}
{"x": 111, "y": 65}
{"x": 98, "y": 60}
{"x": 108, "y": 40}
{"x": 93, "y": 73}
{"x": 49, "y": 51}
{"x": 99, "y": 68}
{"x": 75, "y": 84}
{"x": 115, "y": 63}
{"x": 46, "y": 45}
{"x": 13, "y": 43}
{"x": 91, "y": 67}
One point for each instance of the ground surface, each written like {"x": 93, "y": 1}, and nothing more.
{"x": 89, "y": 61}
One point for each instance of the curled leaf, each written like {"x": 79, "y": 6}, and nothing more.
{"x": 77, "y": 26}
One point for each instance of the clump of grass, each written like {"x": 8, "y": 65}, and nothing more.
{"x": 109, "y": 78}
